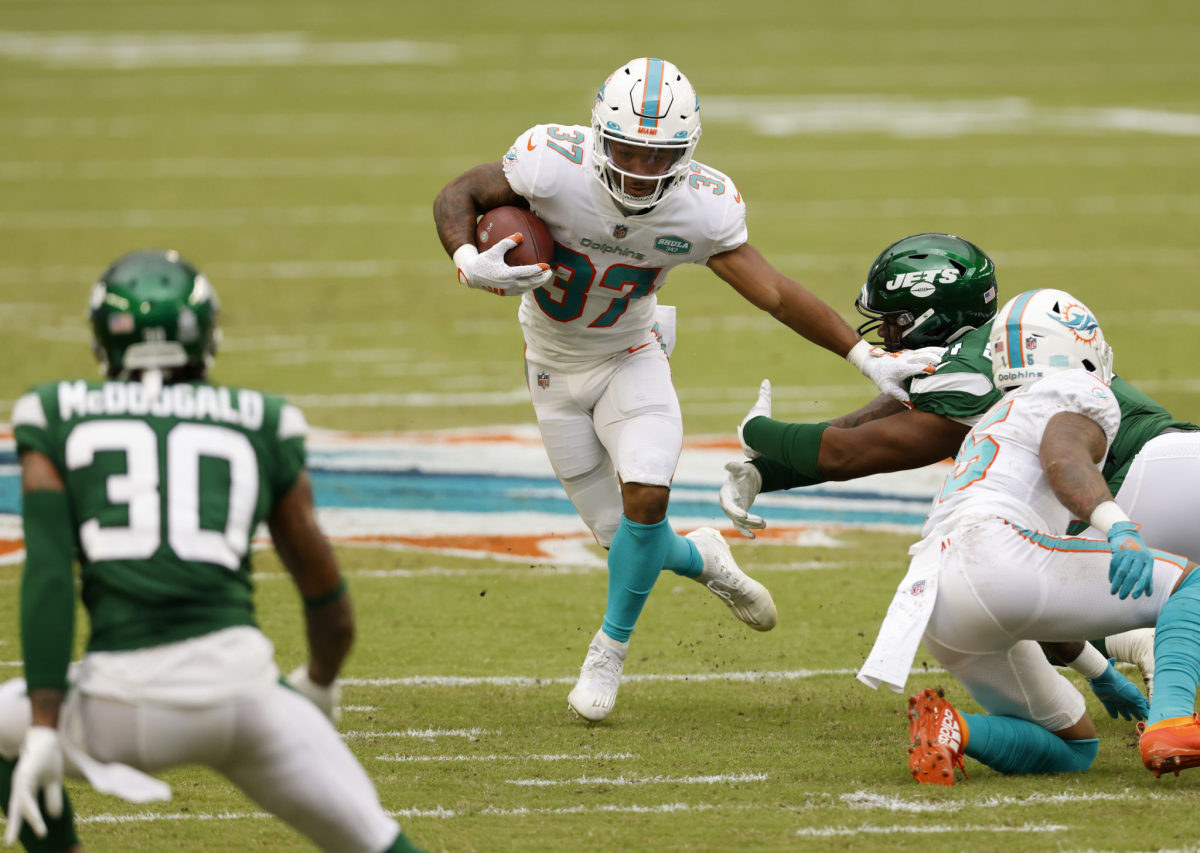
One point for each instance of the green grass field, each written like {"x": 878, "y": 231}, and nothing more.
{"x": 293, "y": 151}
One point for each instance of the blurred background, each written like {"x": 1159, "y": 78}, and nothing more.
{"x": 292, "y": 150}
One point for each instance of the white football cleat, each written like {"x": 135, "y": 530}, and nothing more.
{"x": 595, "y": 692}
{"x": 749, "y": 600}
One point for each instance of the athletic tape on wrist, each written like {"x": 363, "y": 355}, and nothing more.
{"x": 1106, "y": 515}
{"x": 858, "y": 354}
{"x": 461, "y": 256}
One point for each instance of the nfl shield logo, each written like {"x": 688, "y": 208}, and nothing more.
{"x": 1031, "y": 342}
{"x": 918, "y": 587}
{"x": 620, "y": 231}
{"x": 543, "y": 380}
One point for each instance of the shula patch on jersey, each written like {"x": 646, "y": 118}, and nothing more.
{"x": 672, "y": 245}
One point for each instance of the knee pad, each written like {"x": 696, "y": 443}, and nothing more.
{"x": 596, "y": 496}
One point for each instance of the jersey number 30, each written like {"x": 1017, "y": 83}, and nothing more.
{"x": 138, "y": 490}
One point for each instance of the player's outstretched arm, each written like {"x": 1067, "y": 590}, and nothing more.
{"x": 328, "y": 613}
{"x": 908, "y": 439}
{"x": 750, "y": 274}
{"x": 789, "y": 302}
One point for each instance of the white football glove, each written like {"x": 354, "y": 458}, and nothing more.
{"x": 760, "y": 409}
{"x": 39, "y": 769}
{"x": 888, "y": 369}
{"x": 327, "y": 699}
{"x": 488, "y": 271}
{"x": 741, "y": 487}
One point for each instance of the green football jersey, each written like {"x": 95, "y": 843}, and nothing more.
{"x": 165, "y": 493}
{"x": 962, "y": 389}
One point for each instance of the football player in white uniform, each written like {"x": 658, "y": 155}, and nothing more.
{"x": 940, "y": 290}
{"x": 995, "y": 571}
{"x": 625, "y": 203}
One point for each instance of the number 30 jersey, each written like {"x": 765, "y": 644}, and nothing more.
{"x": 609, "y": 266}
{"x": 165, "y": 494}
{"x": 998, "y": 470}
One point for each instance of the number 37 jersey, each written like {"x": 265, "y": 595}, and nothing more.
{"x": 998, "y": 470}
{"x": 609, "y": 266}
{"x": 165, "y": 493}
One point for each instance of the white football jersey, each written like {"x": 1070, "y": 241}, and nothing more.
{"x": 998, "y": 472}
{"x": 609, "y": 265}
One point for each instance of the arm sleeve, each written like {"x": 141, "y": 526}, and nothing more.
{"x": 47, "y": 590}
{"x": 794, "y": 446}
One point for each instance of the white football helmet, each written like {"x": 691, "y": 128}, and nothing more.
{"x": 1040, "y": 332}
{"x": 646, "y": 103}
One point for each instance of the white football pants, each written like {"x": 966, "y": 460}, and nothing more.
{"x": 619, "y": 417}
{"x": 1161, "y": 492}
{"x": 276, "y": 746}
{"x": 1000, "y": 590}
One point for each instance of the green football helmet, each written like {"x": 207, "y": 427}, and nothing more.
{"x": 152, "y": 310}
{"x": 935, "y": 287}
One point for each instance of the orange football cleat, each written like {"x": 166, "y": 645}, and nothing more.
{"x": 1172, "y": 744}
{"x": 937, "y": 739}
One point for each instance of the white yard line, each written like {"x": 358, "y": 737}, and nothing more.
{"x": 533, "y": 681}
{"x": 931, "y": 829}
{"x": 420, "y": 734}
{"x": 871, "y": 800}
{"x": 211, "y": 50}
{"x": 576, "y": 756}
{"x": 718, "y": 779}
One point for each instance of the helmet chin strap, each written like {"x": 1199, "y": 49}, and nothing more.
{"x": 152, "y": 381}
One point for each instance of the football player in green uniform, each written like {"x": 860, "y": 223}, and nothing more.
{"x": 154, "y": 479}
{"x": 940, "y": 290}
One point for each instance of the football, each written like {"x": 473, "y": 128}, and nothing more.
{"x": 536, "y": 247}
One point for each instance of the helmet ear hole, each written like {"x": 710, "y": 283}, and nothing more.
{"x": 1089, "y": 366}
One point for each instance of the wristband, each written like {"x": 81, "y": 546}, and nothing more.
{"x": 464, "y": 253}
{"x": 859, "y": 353}
{"x": 318, "y": 601}
{"x": 1106, "y": 515}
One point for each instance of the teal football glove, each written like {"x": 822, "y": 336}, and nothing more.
{"x": 1132, "y": 566}
{"x": 1118, "y": 695}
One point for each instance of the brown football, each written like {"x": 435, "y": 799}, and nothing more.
{"x": 536, "y": 246}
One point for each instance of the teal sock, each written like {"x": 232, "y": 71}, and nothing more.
{"x": 634, "y": 562}
{"x": 1012, "y": 745}
{"x": 1177, "y": 653}
{"x": 60, "y": 831}
{"x": 683, "y": 557}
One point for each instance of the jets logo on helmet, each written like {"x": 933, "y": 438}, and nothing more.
{"x": 645, "y": 125}
{"x": 1042, "y": 332}
{"x": 927, "y": 290}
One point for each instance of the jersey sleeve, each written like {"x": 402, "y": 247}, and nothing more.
{"x": 527, "y": 165}
{"x": 961, "y": 395}
{"x": 30, "y": 425}
{"x": 293, "y": 430}
{"x": 961, "y": 388}
{"x": 1082, "y": 393}
{"x": 725, "y": 208}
